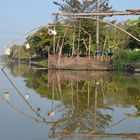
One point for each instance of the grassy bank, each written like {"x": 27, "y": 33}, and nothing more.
{"x": 40, "y": 63}
{"x": 126, "y": 57}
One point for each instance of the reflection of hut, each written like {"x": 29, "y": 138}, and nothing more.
{"x": 78, "y": 75}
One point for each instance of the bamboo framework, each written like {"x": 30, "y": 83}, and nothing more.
{"x": 80, "y": 29}
{"x": 110, "y": 13}
{"x": 93, "y": 16}
{"x": 97, "y": 14}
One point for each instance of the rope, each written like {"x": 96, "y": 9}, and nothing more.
{"x": 18, "y": 91}
{"x": 19, "y": 111}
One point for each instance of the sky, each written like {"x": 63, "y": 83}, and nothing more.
{"x": 18, "y": 16}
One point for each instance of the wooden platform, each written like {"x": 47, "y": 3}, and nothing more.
{"x": 80, "y": 63}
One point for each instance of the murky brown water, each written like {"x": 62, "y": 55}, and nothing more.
{"x": 41, "y": 105}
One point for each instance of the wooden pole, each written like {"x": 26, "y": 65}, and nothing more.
{"x": 97, "y": 26}
{"x": 54, "y": 39}
{"x": 73, "y": 44}
{"x": 88, "y": 95}
{"x": 101, "y": 135}
{"x": 54, "y": 35}
{"x": 119, "y": 28}
{"x": 60, "y": 50}
{"x": 72, "y": 93}
{"x": 89, "y": 44}
{"x": 95, "y": 107}
{"x": 110, "y": 13}
{"x": 79, "y": 35}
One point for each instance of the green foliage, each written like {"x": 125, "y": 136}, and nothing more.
{"x": 41, "y": 63}
{"x": 88, "y": 25}
{"x": 14, "y": 50}
{"x": 134, "y": 29}
{"x": 40, "y": 42}
{"x": 125, "y": 57}
{"x": 133, "y": 22}
{"x": 84, "y": 6}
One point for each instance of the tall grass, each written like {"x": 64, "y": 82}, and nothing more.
{"x": 126, "y": 57}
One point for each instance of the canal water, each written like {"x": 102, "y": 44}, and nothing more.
{"x": 39, "y": 104}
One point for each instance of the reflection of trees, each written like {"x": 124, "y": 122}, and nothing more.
{"x": 38, "y": 80}
{"x": 33, "y": 79}
{"x": 18, "y": 69}
{"x": 84, "y": 103}
{"x": 126, "y": 87}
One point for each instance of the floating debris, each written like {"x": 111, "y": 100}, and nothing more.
{"x": 97, "y": 83}
{"x": 38, "y": 109}
{"x": 26, "y": 96}
{"x": 6, "y": 96}
{"x": 51, "y": 113}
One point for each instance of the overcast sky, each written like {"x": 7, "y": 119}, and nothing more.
{"x": 17, "y": 16}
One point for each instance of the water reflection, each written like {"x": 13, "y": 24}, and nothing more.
{"x": 6, "y": 96}
{"x": 82, "y": 103}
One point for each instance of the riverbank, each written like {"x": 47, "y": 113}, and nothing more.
{"x": 41, "y": 63}
{"x": 121, "y": 60}
{"x": 127, "y": 58}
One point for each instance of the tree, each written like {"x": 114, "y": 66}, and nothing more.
{"x": 40, "y": 42}
{"x": 84, "y": 6}
{"x": 134, "y": 29}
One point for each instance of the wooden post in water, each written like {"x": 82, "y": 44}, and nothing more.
{"x": 72, "y": 93}
{"x": 88, "y": 94}
{"x": 95, "y": 105}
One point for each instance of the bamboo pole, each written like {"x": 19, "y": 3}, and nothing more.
{"x": 24, "y": 114}
{"x": 89, "y": 44}
{"x": 77, "y": 92}
{"x": 95, "y": 107}
{"x": 88, "y": 95}
{"x": 59, "y": 85}
{"x": 110, "y": 13}
{"x": 72, "y": 93}
{"x": 119, "y": 28}
{"x": 79, "y": 35}
{"x": 54, "y": 39}
{"x": 73, "y": 42}
{"x": 97, "y": 26}
{"x": 58, "y": 43}
{"x": 60, "y": 50}
{"x": 101, "y": 135}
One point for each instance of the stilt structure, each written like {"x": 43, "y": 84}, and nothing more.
{"x": 89, "y": 62}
